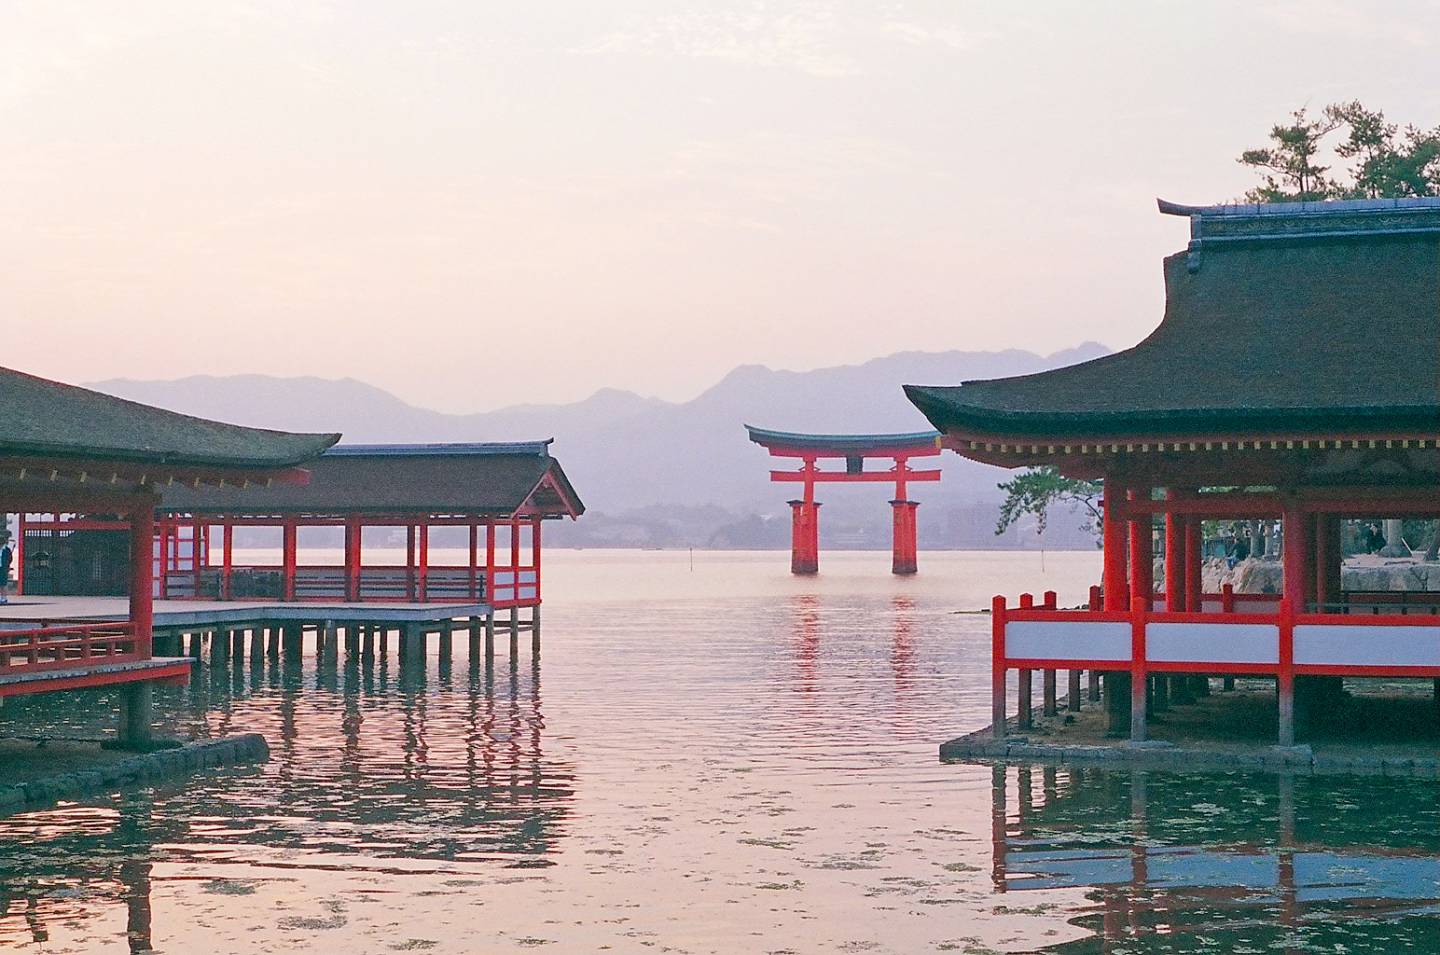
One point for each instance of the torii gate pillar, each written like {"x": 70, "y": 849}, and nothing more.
{"x": 804, "y": 537}
{"x": 905, "y": 542}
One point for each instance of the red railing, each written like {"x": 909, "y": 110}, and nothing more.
{"x": 69, "y": 646}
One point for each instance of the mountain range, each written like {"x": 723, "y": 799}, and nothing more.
{"x": 656, "y": 461}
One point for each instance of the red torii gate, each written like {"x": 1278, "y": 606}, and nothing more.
{"x": 853, "y": 449}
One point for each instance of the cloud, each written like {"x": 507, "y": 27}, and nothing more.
{"x": 815, "y": 38}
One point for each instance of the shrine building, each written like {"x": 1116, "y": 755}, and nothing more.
{"x": 68, "y": 449}
{"x": 1294, "y": 377}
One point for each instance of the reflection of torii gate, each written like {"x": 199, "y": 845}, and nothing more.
{"x": 854, "y": 449}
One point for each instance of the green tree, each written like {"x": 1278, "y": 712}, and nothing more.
{"x": 1386, "y": 161}
{"x": 1289, "y": 165}
{"x": 1388, "y": 164}
{"x": 1035, "y": 491}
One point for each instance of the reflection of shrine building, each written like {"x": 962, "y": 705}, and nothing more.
{"x": 1259, "y": 861}
{"x": 370, "y": 763}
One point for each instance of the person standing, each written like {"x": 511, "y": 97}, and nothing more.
{"x": 7, "y": 556}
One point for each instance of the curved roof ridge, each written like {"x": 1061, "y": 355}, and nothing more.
{"x": 444, "y": 449}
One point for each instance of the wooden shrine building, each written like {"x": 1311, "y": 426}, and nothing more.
{"x": 853, "y": 449}
{"x": 67, "y": 449}
{"x": 491, "y": 499}
{"x": 1295, "y": 376}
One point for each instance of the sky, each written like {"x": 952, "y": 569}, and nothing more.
{"x": 475, "y": 204}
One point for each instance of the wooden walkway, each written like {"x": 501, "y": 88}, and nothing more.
{"x": 187, "y": 628}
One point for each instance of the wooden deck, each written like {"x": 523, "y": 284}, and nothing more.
{"x": 179, "y": 614}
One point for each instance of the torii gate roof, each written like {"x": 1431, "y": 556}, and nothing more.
{"x": 842, "y": 445}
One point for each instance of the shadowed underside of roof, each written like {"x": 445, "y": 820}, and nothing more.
{"x": 1310, "y": 323}
{"x": 854, "y": 443}
{"x": 494, "y": 480}
{"x": 43, "y": 418}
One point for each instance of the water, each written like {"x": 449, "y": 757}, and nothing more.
{"x": 722, "y": 759}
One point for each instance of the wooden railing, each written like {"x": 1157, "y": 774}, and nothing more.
{"x": 397, "y": 583}
{"x": 68, "y": 646}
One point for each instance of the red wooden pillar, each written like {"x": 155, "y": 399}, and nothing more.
{"x": 1294, "y": 563}
{"x": 804, "y": 537}
{"x": 422, "y": 576}
{"x": 1328, "y": 558}
{"x": 142, "y": 575}
{"x": 1177, "y": 570}
{"x": 473, "y": 574}
{"x": 227, "y": 561}
{"x": 1113, "y": 542}
{"x": 535, "y": 553}
{"x": 1194, "y": 563}
{"x": 20, "y": 553}
{"x": 409, "y": 561}
{"x": 353, "y": 531}
{"x": 489, "y": 559}
{"x": 904, "y": 545}
{"x": 288, "y": 547}
{"x": 1142, "y": 587}
{"x": 198, "y": 534}
{"x": 515, "y": 554}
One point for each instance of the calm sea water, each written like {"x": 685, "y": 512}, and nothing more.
{"x": 704, "y": 758}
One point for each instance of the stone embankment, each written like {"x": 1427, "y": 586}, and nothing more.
{"x": 106, "y": 775}
{"x": 1360, "y": 573}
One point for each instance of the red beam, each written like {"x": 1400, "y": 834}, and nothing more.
{"x": 865, "y": 477}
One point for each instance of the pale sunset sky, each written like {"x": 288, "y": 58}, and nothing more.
{"x": 474, "y": 204}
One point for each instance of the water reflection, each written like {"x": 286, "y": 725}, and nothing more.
{"x": 1215, "y": 862}
{"x": 374, "y": 766}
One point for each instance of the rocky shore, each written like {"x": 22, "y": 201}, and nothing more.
{"x": 45, "y": 772}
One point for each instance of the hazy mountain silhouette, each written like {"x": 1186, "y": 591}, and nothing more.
{"x": 624, "y": 451}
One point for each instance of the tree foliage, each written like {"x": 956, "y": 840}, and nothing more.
{"x": 1386, "y": 161}
{"x": 1033, "y": 492}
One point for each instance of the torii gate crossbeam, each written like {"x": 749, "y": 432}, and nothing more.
{"x": 853, "y": 449}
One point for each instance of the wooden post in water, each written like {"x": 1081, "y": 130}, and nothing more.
{"x": 477, "y": 637}
{"x": 330, "y": 642}
{"x": 1094, "y": 676}
{"x": 1051, "y": 707}
{"x": 1025, "y": 718}
{"x": 490, "y": 634}
{"x": 1072, "y": 692}
{"x": 447, "y": 641}
{"x": 136, "y": 708}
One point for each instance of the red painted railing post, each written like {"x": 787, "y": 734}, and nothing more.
{"x": 1024, "y": 717}
{"x": 997, "y": 666}
{"x": 1096, "y": 598}
{"x": 1051, "y": 600}
{"x": 1227, "y": 598}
